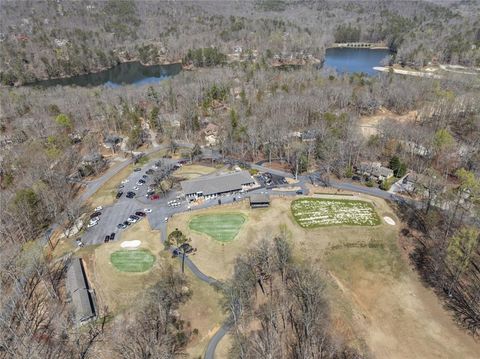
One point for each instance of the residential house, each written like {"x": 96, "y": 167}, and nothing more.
{"x": 374, "y": 169}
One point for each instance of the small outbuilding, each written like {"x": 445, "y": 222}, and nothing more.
{"x": 79, "y": 292}
{"x": 259, "y": 200}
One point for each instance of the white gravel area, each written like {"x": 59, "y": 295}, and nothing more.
{"x": 130, "y": 244}
{"x": 389, "y": 221}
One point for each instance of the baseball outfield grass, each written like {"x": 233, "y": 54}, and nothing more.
{"x": 222, "y": 227}
{"x": 133, "y": 260}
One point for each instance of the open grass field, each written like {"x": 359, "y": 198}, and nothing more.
{"x": 379, "y": 302}
{"x": 317, "y": 212}
{"x": 222, "y": 227}
{"x": 194, "y": 171}
{"x": 119, "y": 289}
{"x": 132, "y": 260}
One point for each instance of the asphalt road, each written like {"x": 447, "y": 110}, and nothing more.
{"x": 123, "y": 207}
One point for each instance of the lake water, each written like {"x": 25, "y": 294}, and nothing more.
{"x": 350, "y": 60}
{"x": 124, "y": 74}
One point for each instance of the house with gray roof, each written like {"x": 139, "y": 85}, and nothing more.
{"x": 79, "y": 292}
{"x": 374, "y": 169}
{"x": 218, "y": 184}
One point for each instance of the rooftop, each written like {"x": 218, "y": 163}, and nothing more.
{"x": 219, "y": 183}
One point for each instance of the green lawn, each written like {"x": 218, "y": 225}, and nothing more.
{"x": 222, "y": 227}
{"x": 136, "y": 260}
{"x": 318, "y": 212}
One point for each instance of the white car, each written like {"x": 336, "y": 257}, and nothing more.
{"x": 125, "y": 181}
{"x": 99, "y": 208}
{"x": 132, "y": 220}
{"x": 94, "y": 219}
{"x": 166, "y": 219}
{"x": 91, "y": 224}
{"x": 135, "y": 188}
{"x": 139, "y": 184}
{"x": 147, "y": 210}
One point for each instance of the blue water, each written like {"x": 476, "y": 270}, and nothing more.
{"x": 350, "y": 60}
{"x": 129, "y": 73}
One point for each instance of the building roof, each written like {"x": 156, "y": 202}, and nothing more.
{"x": 83, "y": 305}
{"x": 75, "y": 276}
{"x": 217, "y": 183}
{"x": 259, "y": 198}
{"x": 77, "y": 287}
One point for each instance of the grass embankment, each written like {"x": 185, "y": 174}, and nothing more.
{"x": 106, "y": 194}
{"x": 194, "y": 171}
{"x": 132, "y": 260}
{"x": 222, "y": 227}
{"x": 319, "y": 212}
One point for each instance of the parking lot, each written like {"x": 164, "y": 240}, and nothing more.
{"x": 269, "y": 180}
{"x": 164, "y": 206}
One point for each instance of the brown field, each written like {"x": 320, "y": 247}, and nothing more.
{"x": 377, "y": 301}
{"x": 194, "y": 171}
{"x": 116, "y": 289}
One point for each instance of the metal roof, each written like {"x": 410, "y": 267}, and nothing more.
{"x": 259, "y": 198}
{"x": 77, "y": 287}
{"x": 218, "y": 183}
{"x": 83, "y": 305}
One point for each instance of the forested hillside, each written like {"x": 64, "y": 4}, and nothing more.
{"x": 56, "y": 39}
{"x": 314, "y": 124}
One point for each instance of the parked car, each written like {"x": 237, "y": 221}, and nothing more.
{"x": 92, "y": 224}
{"x": 130, "y": 194}
{"x": 99, "y": 208}
{"x": 356, "y": 178}
{"x": 145, "y": 176}
{"x": 135, "y": 188}
{"x": 95, "y": 214}
{"x": 137, "y": 169}
{"x": 155, "y": 197}
{"x": 150, "y": 171}
{"x": 125, "y": 181}
{"x": 107, "y": 238}
{"x": 121, "y": 226}
{"x": 142, "y": 181}
{"x": 119, "y": 194}
{"x": 299, "y": 192}
{"x": 141, "y": 214}
{"x": 126, "y": 223}
{"x": 147, "y": 210}
{"x": 94, "y": 219}
{"x": 166, "y": 219}
{"x": 112, "y": 236}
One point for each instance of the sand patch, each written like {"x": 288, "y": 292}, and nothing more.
{"x": 131, "y": 244}
{"x": 389, "y": 221}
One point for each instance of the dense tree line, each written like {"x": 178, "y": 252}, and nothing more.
{"x": 49, "y": 39}
{"x": 287, "y": 300}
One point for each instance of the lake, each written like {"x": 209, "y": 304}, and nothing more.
{"x": 350, "y": 60}
{"x": 127, "y": 73}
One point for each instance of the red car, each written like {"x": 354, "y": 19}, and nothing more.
{"x": 154, "y": 197}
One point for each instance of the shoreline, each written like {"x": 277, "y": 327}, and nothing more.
{"x": 94, "y": 71}
{"x": 360, "y": 45}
